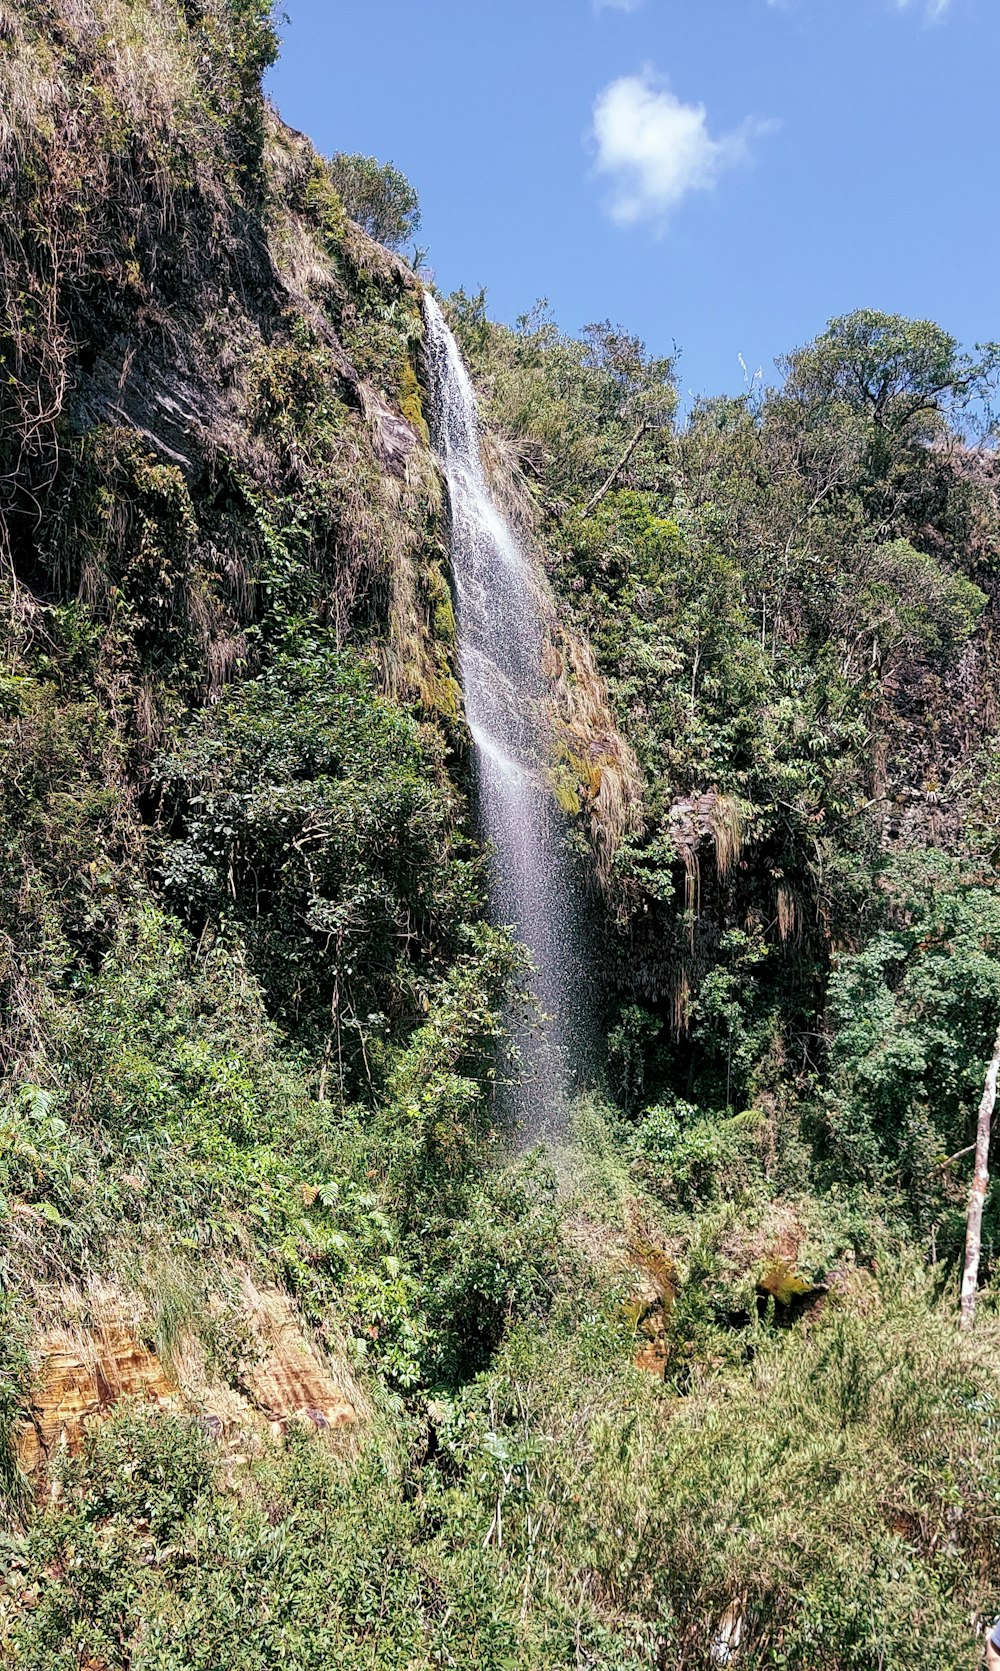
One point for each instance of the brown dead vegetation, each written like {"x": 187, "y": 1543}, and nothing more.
{"x": 94, "y": 1350}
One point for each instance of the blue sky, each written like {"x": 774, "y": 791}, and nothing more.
{"x": 725, "y": 175}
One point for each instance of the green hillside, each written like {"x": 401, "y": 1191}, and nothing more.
{"x": 310, "y": 1357}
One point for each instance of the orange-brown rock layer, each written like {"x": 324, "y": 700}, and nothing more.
{"x": 85, "y": 1368}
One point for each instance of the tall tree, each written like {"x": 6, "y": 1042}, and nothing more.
{"x": 977, "y": 1194}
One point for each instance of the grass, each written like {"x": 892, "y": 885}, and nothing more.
{"x": 836, "y": 1493}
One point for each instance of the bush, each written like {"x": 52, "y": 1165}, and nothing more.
{"x": 689, "y": 1160}
{"x": 302, "y": 809}
{"x": 378, "y": 196}
{"x": 916, "y": 1012}
{"x": 311, "y": 1563}
{"x": 844, "y": 1463}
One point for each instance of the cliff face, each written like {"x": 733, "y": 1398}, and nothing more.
{"x": 228, "y": 832}
{"x": 202, "y": 435}
{"x": 249, "y": 999}
{"x": 184, "y": 293}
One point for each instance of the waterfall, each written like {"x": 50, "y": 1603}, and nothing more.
{"x": 498, "y": 610}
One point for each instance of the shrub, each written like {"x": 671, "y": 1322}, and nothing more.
{"x": 378, "y": 196}
{"x": 301, "y": 809}
{"x": 915, "y": 1011}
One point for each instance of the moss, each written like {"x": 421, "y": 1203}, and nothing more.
{"x": 411, "y": 403}
{"x": 449, "y": 692}
{"x": 441, "y": 695}
{"x": 438, "y": 592}
{"x": 564, "y": 790}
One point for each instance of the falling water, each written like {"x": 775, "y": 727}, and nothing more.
{"x": 500, "y": 662}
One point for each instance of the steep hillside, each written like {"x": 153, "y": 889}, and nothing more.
{"x": 305, "y": 1359}
{"x": 239, "y": 891}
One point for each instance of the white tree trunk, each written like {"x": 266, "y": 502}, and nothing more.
{"x": 977, "y": 1194}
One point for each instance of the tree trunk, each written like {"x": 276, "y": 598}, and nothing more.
{"x": 977, "y": 1194}
{"x": 607, "y": 485}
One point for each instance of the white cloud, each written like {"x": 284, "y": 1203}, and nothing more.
{"x": 932, "y": 9}
{"x": 619, "y": 5}
{"x": 656, "y": 149}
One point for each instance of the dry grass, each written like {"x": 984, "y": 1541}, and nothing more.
{"x": 717, "y": 819}
{"x": 70, "y": 115}
{"x": 789, "y": 913}
{"x": 777, "y": 1490}
{"x": 507, "y": 482}
{"x": 102, "y": 1342}
{"x": 307, "y": 268}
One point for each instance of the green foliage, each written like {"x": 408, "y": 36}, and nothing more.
{"x": 15, "y": 1373}
{"x": 897, "y": 373}
{"x": 162, "y": 1106}
{"x": 323, "y": 533}
{"x": 376, "y": 195}
{"x": 902, "y": 607}
{"x": 323, "y": 204}
{"x": 313, "y": 1561}
{"x": 497, "y": 1264}
{"x": 180, "y": 1118}
{"x": 129, "y": 542}
{"x": 839, "y": 1490}
{"x": 630, "y": 1041}
{"x": 237, "y": 41}
{"x": 772, "y": 613}
{"x": 689, "y": 1160}
{"x": 303, "y": 810}
{"x": 143, "y": 1465}
{"x": 916, "y": 1013}
{"x": 574, "y": 404}
{"x": 807, "y": 1488}
{"x": 253, "y": 1019}
{"x": 65, "y": 868}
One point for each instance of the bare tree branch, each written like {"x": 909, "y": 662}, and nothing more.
{"x": 595, "y": 499}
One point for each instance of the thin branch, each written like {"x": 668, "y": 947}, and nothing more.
{"x": 952, "y": 1158}
{"x": 594, "y": 501}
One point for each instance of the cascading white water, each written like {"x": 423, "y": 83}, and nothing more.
{"x": 500, "y": 663}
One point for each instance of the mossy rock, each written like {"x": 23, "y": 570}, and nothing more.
{"x": 438, "y": 592}
{"x": 411, "y": 403}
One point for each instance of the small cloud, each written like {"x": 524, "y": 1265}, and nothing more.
{"x": 931, "y": 9}
{"x": 617, "y": 5}
{"x": 657, "y": 150}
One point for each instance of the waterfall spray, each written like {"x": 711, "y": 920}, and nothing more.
{"x": 500, "y": 662}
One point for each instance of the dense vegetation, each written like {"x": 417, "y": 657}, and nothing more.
{"x": 687, "y": 1387}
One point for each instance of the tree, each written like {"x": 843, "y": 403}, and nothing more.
{"x": 915, "y": 1009}
{"x": 891, "y": 370}
{"x": 378, "y": 196}
{"x": 977, "y": 1194}
{"x": 895, "y": 605}
{"x": 300, "y": 812}
{"x": 572, "y": 405}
